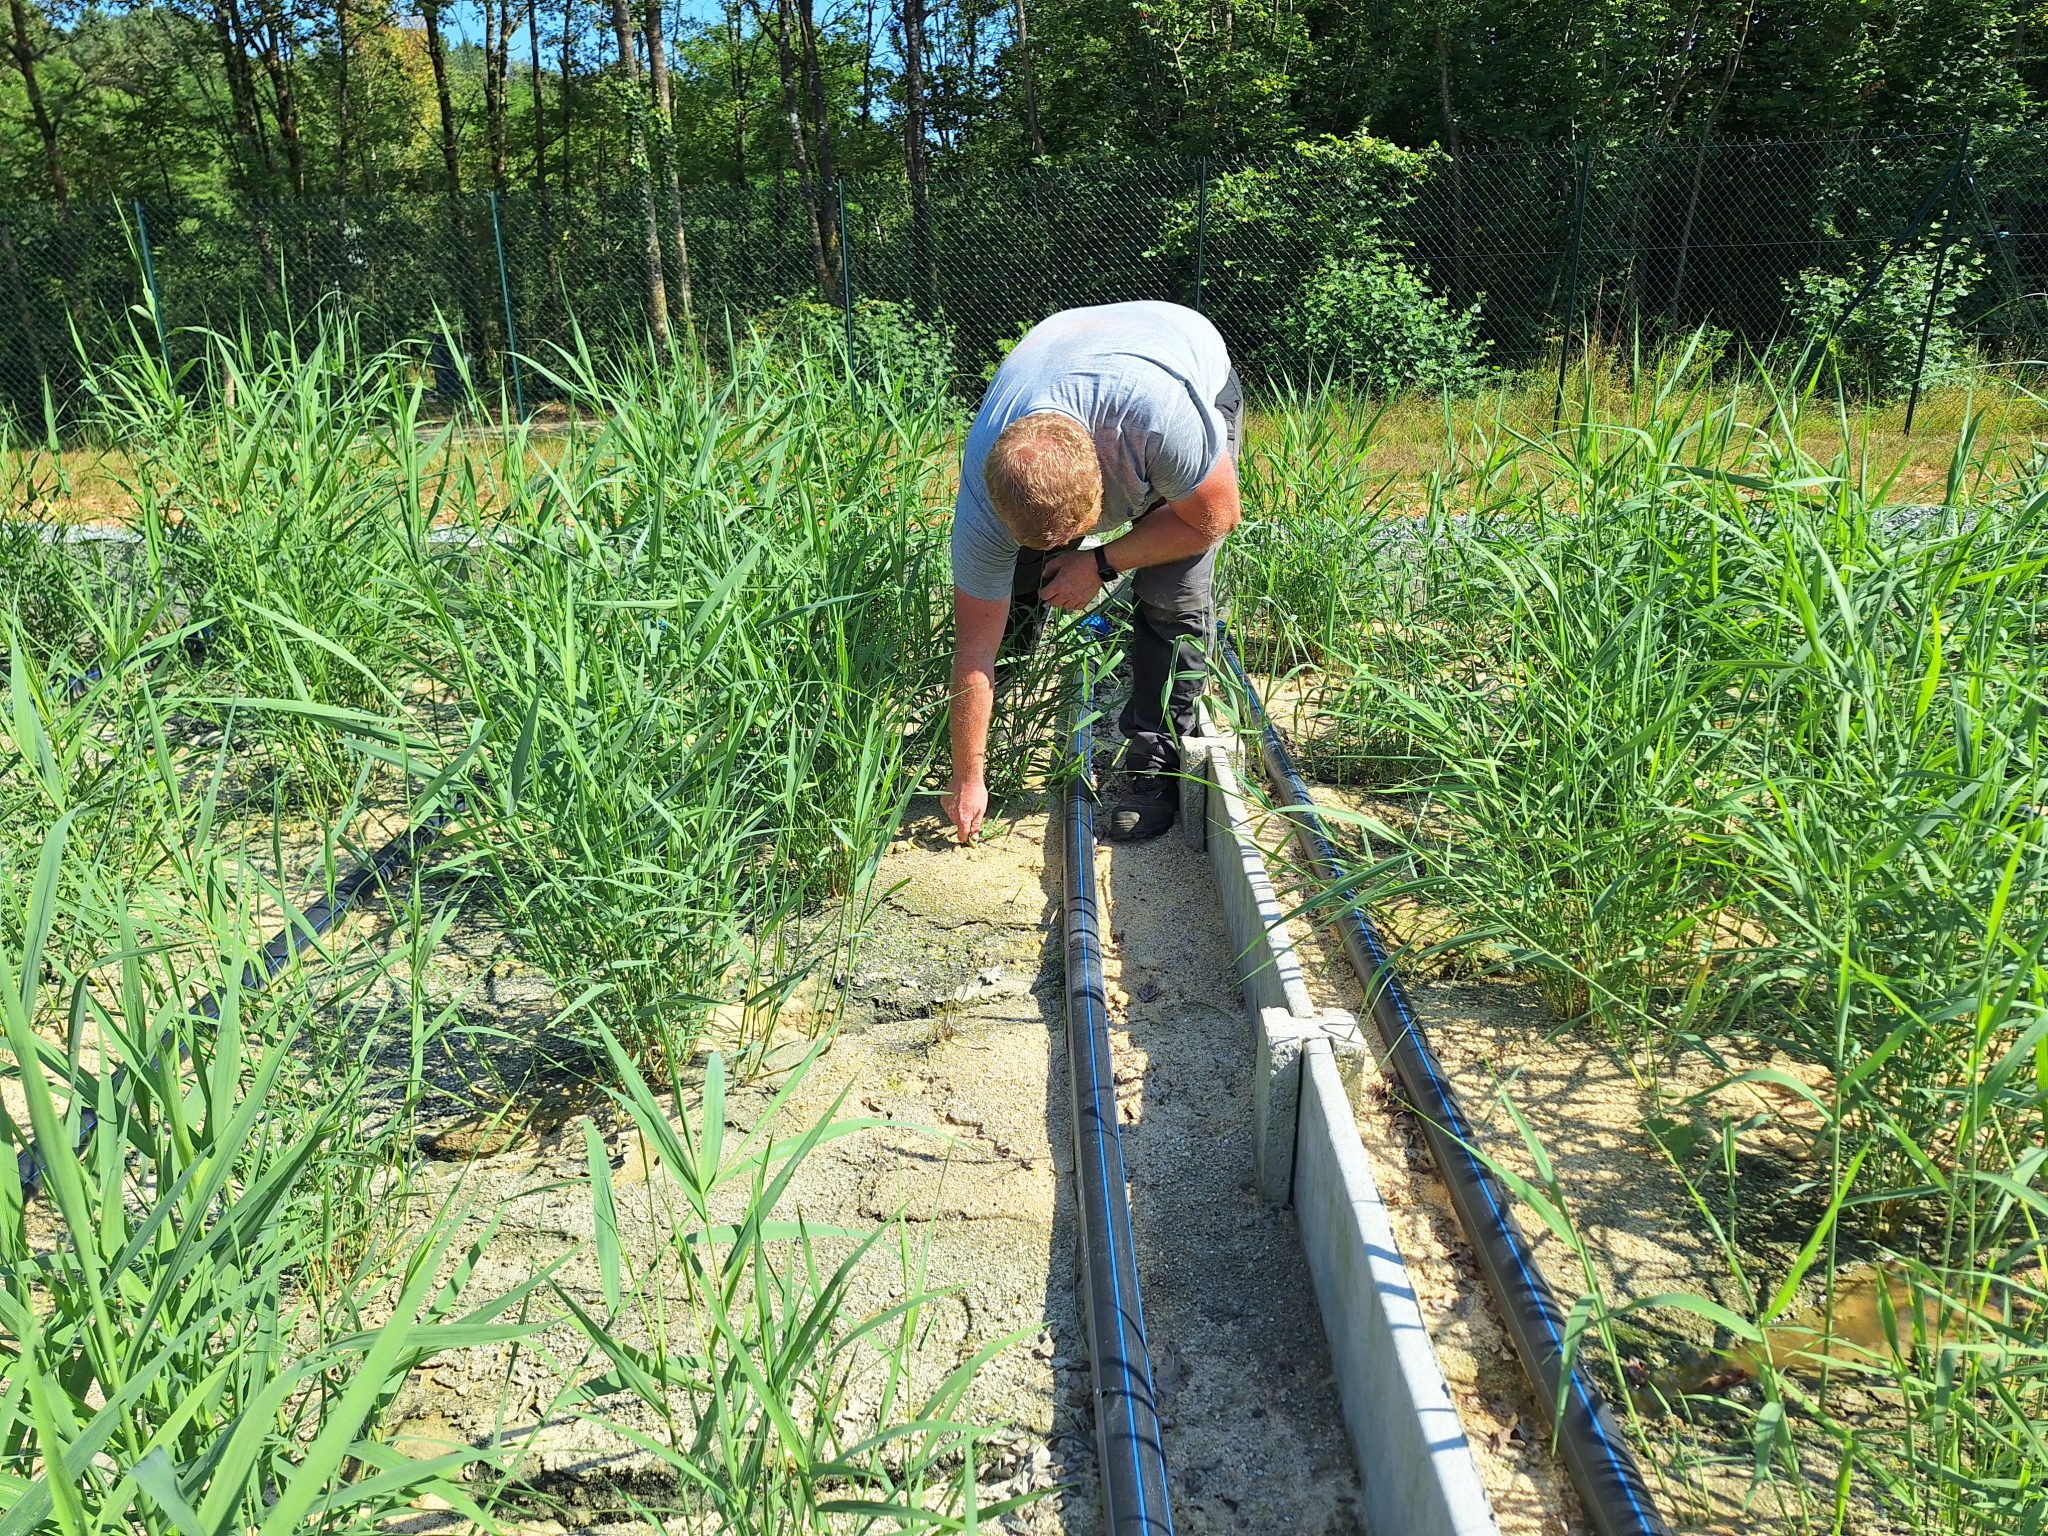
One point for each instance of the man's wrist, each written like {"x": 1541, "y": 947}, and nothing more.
{"x": 1105, "y": 568}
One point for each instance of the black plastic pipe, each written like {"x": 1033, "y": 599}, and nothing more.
{"x": 194, "y": 644}
{"x": 284, "y": 947}
{"x": 1127, "y": 1444}
{"x": 1596, "y": 1456}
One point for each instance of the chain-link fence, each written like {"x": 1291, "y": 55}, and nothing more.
{"x": 1305, "y": 264}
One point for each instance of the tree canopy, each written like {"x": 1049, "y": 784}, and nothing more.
{"x": 324, "y": 98}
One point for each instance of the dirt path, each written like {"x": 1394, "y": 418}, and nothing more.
{"x": 1254, "y": 1432}
{"x": 1254, "y": 1437}
{"x": 953, "y": 1033}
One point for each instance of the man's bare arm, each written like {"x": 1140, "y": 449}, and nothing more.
{"x": 1198, "y": 520}
{"x": 977, "y": 635}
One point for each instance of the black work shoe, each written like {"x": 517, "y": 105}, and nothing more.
{"x": 1146, "y": 808}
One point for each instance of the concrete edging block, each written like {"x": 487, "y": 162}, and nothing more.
{"x": 1420, "y": 1478}
{"x": 1195, "y": 752}
{"x": 1280, "y": 1040}
{"x": 1266, "y": 963}
{"x": 1195, "y": 772}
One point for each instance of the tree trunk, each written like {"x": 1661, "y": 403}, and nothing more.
{"x": 1451, "y": 147}
{"x": 285, "y": 106}
{"x": 497, "y": 78}
{"x": 1648, "y": 179}
{"x": 1028, "y": 75}
{"x": 568, "y": 75}
{"x": 17, "y": 290}
{"x": 734, "y": 33}
{"x": 629, "y": 66}
{"x": 342, "y": 129}
{"x": 444, "y": 104}
{"x": 923, "y": 272}
{"x": 821, "y": 139}
{"x": 24, "y": 49}
{"x": 254, "y": 157}
{"x": 342, "y": 104}
{"x": 451, "y": 167}
{"x": 785, "y": 59}
{"x": 814, "y": 89}
{"x": 254, "y": 172}
{"x": 867, "y": 64}
{"x": 284, "y": 97}
{"x": 742, "y": 205}
{"x": 665, "y": 132}
{"x": 25, "y": 55}
{"x": 540, "y": 150}
{"x": 1699, "y": 165}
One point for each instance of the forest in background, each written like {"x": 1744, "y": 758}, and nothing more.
{"x": 1397, "y": 193}
{"x": 276, "y": 99}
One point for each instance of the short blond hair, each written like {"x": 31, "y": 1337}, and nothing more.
{"x": 1045, "y": 480}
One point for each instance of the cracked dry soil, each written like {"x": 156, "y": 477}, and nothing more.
{"x": 953, "y": 1032}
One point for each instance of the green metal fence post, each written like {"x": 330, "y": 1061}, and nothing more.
{"x": 846, "y": 283}
{"x": 156, "y": 299}
{"x": 1201, "y": 228}
{"x": 1931, "y": 204}
{"x": 1927, "y": 323}
{"x": 505, "y": 292}
{"x": 1571, "y": 300}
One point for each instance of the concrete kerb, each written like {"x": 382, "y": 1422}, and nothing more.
{"x": 1283, "y": 1038}
{"x": 1405, "y": 1432}
{"x": 1412, "y": 1453}
{"x": 1251, "y": 911}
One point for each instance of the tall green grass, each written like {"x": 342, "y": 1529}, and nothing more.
{"x": 675, "y": 673}
{"x": 1734, "y": 754}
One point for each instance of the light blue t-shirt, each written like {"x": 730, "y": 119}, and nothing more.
{"x": 1142, "y": 378}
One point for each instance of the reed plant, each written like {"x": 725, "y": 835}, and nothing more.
{"x": 1736, "y": 751}
{"x": 674, "y": 673}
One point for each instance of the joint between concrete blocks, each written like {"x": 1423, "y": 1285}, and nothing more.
{"x": 1276, "y": 1086}
{"x": 1198, "y": 770}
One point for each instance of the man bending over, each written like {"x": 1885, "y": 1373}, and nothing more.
{"x": 1124, "y": 413}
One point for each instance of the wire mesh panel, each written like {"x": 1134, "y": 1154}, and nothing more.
{"x": 1512, "y": 249}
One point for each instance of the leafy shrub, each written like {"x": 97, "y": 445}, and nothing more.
{"x": 1005, "y": 345}
{"x": 1374, "y": 323}
{"x": 889, "y": 340}
{"x": 1270, "y": 227}
{"x": 1878, "y": 346}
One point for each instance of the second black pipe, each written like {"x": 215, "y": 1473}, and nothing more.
{"x": 1596, "y": 1456}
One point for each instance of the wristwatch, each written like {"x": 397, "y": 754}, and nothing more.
{"x": 1103, "y": 568}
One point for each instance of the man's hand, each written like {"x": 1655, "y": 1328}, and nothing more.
{"x": 965, "y": 803}
{"x": 1070, "y": 580}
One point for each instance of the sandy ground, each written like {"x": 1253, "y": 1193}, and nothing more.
{"x": 952, "y": 1031}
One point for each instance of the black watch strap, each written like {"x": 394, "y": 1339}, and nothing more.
{"x": 1103, "y": 568}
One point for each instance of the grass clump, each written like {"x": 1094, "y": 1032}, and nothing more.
{"x": 1734, "y": 749}
{"x": 674, "y": 670}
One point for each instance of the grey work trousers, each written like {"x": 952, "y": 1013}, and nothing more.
{"x": 1172, "y": 622}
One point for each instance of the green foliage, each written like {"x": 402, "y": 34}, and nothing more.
{"x": 1877, "y": 347}
{"x": 670, "y": 670}
{"x": 1296, "y": 251}
{"x": 751, "y": 1318}
{"x": 1269, "y": 225}
{"x": 1739, "y": 766}
{"x": 214, "y": 1338}
{"x": 889, "y": 340}
{"x": 1372, "y": 322}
